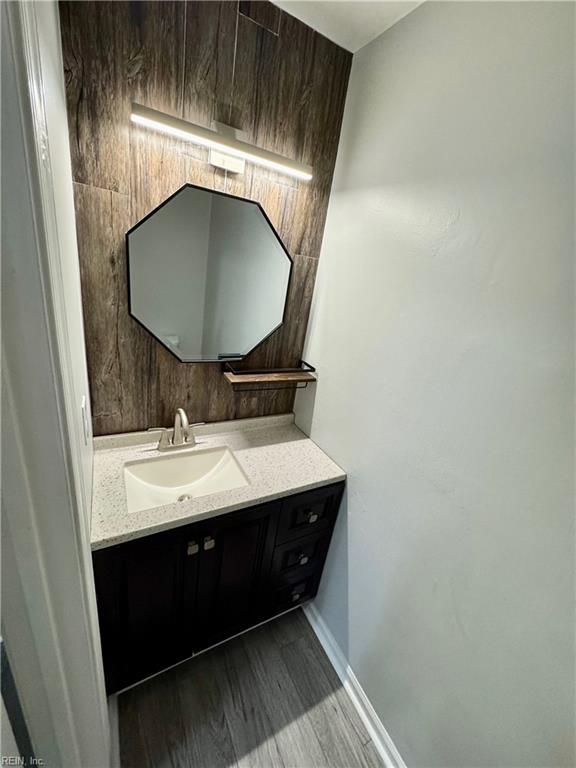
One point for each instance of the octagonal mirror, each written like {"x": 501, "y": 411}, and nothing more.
{"x": 208, "y": 275}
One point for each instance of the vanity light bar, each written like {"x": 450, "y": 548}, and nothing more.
{"x": 174, "y": 126}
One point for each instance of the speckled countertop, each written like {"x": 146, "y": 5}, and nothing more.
{"x": 277, "y": 458}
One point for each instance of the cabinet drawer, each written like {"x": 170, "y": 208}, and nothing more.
{"x": 309, "y": 512}
{"x": 299, "y": 556}
{"x": 294, "y": 593}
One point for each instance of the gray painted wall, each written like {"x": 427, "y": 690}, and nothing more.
{"x": 443, "y": 332}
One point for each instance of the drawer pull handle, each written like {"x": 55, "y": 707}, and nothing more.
{"x": 193, "y": 548}
{"x": 209, "y": 543}
{"x": 303, "y": 559}
{"x": 295, "y": 597}
{"x": 312, "y": 517}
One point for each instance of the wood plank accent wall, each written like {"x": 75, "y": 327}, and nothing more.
{"x": 247, "y": 64}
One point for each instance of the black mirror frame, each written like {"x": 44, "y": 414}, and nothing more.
{"x": 223, "y": 358}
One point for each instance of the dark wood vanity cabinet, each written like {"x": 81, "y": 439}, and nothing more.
{"x": 232, "y": 575}
{"x": 166, "y": 596}
{"x": 139, "y": 589}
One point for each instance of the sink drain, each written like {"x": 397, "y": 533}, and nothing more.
{"x": 184, "y": 497}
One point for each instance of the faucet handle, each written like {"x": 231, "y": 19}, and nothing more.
{"x": 164, "y": 437}
{"x": 191, "y": 439}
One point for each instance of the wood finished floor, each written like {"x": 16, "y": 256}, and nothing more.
{"x": 268, "y": 698}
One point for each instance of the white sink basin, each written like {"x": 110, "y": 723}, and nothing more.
{"x": 180, "y": 476}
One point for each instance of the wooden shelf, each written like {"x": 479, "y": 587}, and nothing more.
{"x": 274, "y": 378}
{"x": 269, "y": 378}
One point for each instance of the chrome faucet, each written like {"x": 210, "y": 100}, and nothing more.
{"x": 182, "y": 435}
{"x": 182, "y": 431}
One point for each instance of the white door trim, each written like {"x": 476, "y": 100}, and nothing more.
{"x": 45, "y": 498}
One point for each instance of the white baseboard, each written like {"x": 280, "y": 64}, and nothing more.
{"x": 379, "y": 735}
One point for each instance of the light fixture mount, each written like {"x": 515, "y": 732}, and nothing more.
{"x": 221, "y": 159}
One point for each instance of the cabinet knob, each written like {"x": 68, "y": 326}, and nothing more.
{"x": 193, "y": 548}
{"x": 295, "y": 597}
{"x": 209, "y": 543}
{"x": 303, "y": 559}
{"x": 312, "y": 517}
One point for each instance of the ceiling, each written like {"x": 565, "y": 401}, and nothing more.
{"x": 350, "y": 23}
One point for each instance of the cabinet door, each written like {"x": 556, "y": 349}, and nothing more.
{"x": 151, "y": 615}
{"x": 140, "y": 593}
{"x": 107, "y": 578}
{"x": 233, "y": 568}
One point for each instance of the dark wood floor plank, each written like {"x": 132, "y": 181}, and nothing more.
{"x": 352, "y": 716}
{"x": 250, "y": 728}
{"x": 322, "y": 703}
{"x": 201, "y": 698}
{"x": 295, "y": 735}
{"x": 371, "y": 757}
{"x": 289, "y": 627}
{"x": 267, "y": 699}
{"x": 152, "y": 731}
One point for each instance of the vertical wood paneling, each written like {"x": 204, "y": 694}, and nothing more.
{"x": 203, "y": 61}
{"x": 320, "y": 140}
{"x": 156, "y": 170}
{"x": 94, "y": 46}
{"x": 272, "y": 89}
{"x": 261, "y": 12}
{"x": 154, "y": 70}
{"x": 123, "y": 353}
{"x": 209, "y": 61}
{"x": 290, "y": 338}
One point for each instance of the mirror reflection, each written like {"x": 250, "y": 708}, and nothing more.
{"x": 208, "y": 275}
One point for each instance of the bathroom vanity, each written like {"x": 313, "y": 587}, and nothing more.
{"x": 178, "y": 578}
{"x": 206, "y": 532}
